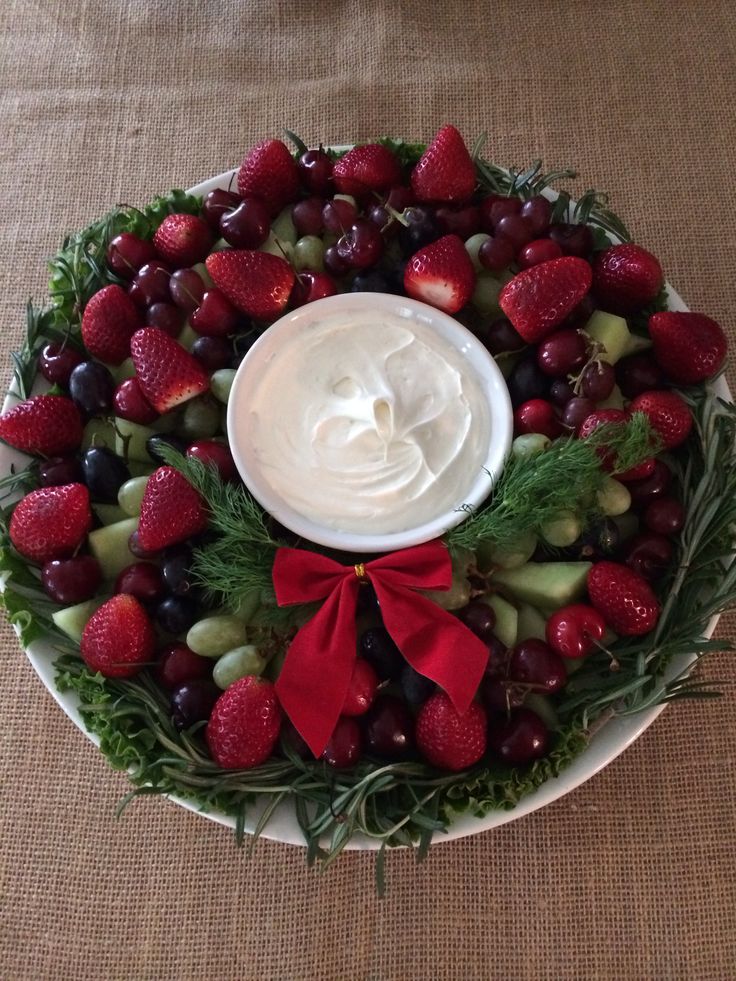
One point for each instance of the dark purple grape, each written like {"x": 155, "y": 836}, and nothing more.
{"x": 597, "y": 380}
{"x": 378, "y": 648}
{"x": 187, "y": 289}
{"x": 422, "y": 228}
{"x": 519, "y": 231}
{"x": 158, "y": 440}
{"x": 532, "y": 662}
{"x": 561, "y": 392}
{"x": 389, "y": 729}
{"x": 178, "y": 664}
{"x": 176, "y": 564}
{"x": 307, "y": 216}
{"x": 176, "y": 614}
{"x": 527, "y": 382}
{"x": 59, "y": 470}
{"x": 142, "y": 580}
{"x": 656, "y": 484}
{"x": 167, "y": 317}
{"x": 415, "y": 686}
{"x": 104, "y": 473}
{"x": 538, "y": 211}
{"x": 499, "y": 694}
{"x": 193, "y": 702}
{"x": 212, "y": 353}
{"x": 577, "y": 411}
{"x": 601, "y": 540}
{"x": 71, "y": 581}
{"x": 338, "y": 215}
{"x": 496, "y": 253}
{"x": 91, "y": 387}
{"x": 343, "y": 749}
{"x": 520, "y": 738}
{"x": 499, "y": 336}
{"x": 464, "y": 222}
{"x": 372, "y": 281}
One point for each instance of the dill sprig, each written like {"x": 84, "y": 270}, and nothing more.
{"x": 566, "y": 475}
{"x": 236, "y": 562}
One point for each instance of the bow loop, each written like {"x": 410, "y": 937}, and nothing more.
{"x": 316, "y": 674}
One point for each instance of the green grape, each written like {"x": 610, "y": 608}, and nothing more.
{"x": 512, "y": 557}
{"x": 562, "y": 530}
{"x": 200, "y": 420}
{"x": 238, "y": 663}
{"x": 529, "y": 445}
{"x": 216, "y": 635}
{"x": 613, "y": 498}
{"x": 221, "y": 382}
{"x": 472, "y": 247}
{"x": 309, "y": 254}
{"x": 131, "y": 494}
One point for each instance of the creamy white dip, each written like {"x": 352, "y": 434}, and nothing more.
{"x": 367, "y": 422}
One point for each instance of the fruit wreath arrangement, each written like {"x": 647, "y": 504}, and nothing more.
{"x": 222, "y": 659}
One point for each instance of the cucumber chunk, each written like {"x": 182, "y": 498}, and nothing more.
{"x": 109, "y": 545}
{"x": 546, "y": 584}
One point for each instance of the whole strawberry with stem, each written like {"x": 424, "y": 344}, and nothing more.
{"x": 244, "y": 724}
{"x": 447, "y": 739}
{"x": 43, "y": 425}
{"x": 441, "y": 274}
{"x": 690, "y": 347}
{"x": 119, "y": 639}
{"x": 270, "y": 173}
{"x": 624, "y": 599}
{"x": 109, "y": 321}
{"x": 445, "y": 173}
{"x": 536, "y": 300}
{"x": 51, "y": 522}
{"x": 171, "y": 510}
{"x": 626, "y": 278}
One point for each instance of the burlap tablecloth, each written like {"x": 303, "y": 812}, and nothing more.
{"x": 632, "y": 875}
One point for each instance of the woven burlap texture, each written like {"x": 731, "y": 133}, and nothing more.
{"x": 630, "y": 876}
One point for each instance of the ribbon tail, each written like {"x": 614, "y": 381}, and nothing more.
{"x": 433, "y": 641}
{"x": 316, "y": 673}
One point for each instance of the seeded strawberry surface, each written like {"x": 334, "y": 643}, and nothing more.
{"x": 244, "y": 724}
{"x": 44, "y": 425}
{"x": 257, "y": 283}
{"x": 109, "y": 321}
{"x": 119, "y": 638}
{"x": 51, "y": 522}
{"x": 167, "y": 374}
{"x": 445, "y": 172}
{"x": 171, "y": 511}
{"x": 624, "y": 599}
{"x": 689, "y": 346}
{"x": 538, "y": 299}
{"x": 269, "y": 172}
{"x": 367, "y": 168}
{"x": 446, "y": 738}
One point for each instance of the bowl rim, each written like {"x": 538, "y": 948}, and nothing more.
{"x": 480, "y": 365}
{"x": 605, "y": 745}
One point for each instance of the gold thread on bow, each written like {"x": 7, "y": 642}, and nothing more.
{"x": 360, "y": 572}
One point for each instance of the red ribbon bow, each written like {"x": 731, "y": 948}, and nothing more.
{"x": 316, "y": 674}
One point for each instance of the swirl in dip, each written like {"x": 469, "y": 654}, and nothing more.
{"x": 365, "y": 420}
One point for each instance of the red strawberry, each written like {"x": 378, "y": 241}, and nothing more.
{"x": 167, "y": 374}
{"x": 449, "y": 740}
{"x": 445, "y": 171}
{"x": 371, "y": 167}
{"x": 538, "y": 299}
{"x": 108, "y": 322}
{"x": 183, "y": 240}
{"x": 244, "y": 724}
{"x": 119, "y": 638}
{"x": 51, "y": 522}
{"x": 44, "y": 425}
{"x": 623, "y": 598}
{"x": 257, "y": 283}
{"x": 669, "y": 415}
{"x": 171, "y": 510}
{"x": 269, "y": 172}
{"x": 441, "y": 274}
{"x": 689, "y": 346}
{"x": 626, "y": 278}
{"x": 602, "y": 417}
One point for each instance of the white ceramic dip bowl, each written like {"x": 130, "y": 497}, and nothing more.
{"x": 367, "y": 422}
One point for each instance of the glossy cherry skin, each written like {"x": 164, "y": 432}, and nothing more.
{"x": 70, "y": 581}
{"x": 56, "y": 362}
{"x": 650, "y": 555}
{"x": 211, "y": 452}
{"x": 343, "y": 749}
{"x": 129, "y": 402}
{"x": 537, "y": 416}
{"x": 215, "y": 316}
{"x": 664, "y": 516}
{"x": 520, "y": 738}
{"x": 389, "y": 729}
{"x": 573, "y": 630}
{"x": 534, "y": 663}
{"x": 361, "y": 690}
{"x": 178, "y": 664}
{"x": 142, "y": 580}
